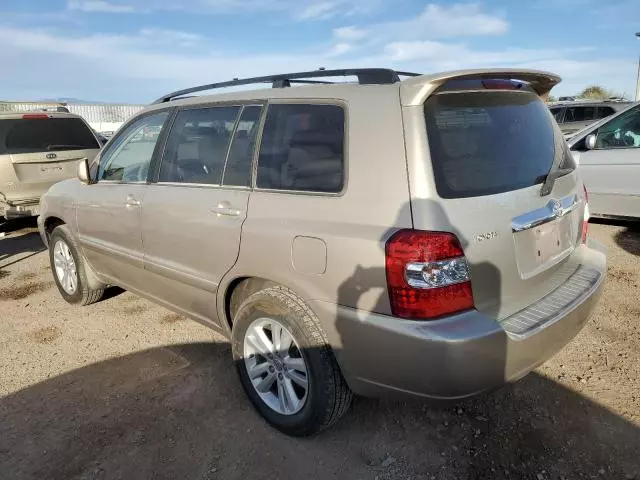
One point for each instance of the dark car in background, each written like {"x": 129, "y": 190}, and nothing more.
{"x": 576, "y": 115}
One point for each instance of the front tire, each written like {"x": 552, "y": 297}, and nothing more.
{"x": 69, "y": 269}
{"x": 285, "y": 363}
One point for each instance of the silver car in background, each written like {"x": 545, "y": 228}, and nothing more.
{"x": 422, "y": 237}
{"x": 609, "y": 156}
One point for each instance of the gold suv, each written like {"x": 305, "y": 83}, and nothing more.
{"x": 38, "y": 149}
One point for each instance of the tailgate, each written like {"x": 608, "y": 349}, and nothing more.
{"x": 38, "y": 150}
{"x": 33, "y": 174}
{"x": 478, "y": 154}
{"x": 519, "y": 246}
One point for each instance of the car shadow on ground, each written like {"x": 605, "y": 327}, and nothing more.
{"x": 179, "y": 412}
{"x": 627, "y": 239}
{"x": 19, "y": 242}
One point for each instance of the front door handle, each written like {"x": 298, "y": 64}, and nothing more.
{"x": 131, "y": 201}
{"x": 224, "y": 208}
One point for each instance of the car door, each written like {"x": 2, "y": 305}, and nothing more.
{"x": 108, "y": 210}
{"x": 611, "y": 170}
{"x": 193, "y": 215}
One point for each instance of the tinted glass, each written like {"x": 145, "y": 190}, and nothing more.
{"x": 302, "y": 148}
{"x": 484, "y": 143}
{"x": 128, "y": 156}
{"x": 621, "y": 132}
{"x": 197, "y": 145}
{"x": 557, "y": 113}
{"x": 45, "y": 135}
{"x": 238, "y": 169}
{"x": 605, "y": 112}
{"x": 580, "y": 114}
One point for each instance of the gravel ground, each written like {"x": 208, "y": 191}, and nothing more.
{"x": 125, "y": 389}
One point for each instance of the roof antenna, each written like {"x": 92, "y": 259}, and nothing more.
{"x": 322, "y": 68}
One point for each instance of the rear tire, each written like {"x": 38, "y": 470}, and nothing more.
{"x": 69, "y": 269}
{"x": 327, "y": 396}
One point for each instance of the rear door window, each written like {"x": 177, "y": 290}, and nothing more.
{"x": 302, "y": 148}
{"x": 237, "y": 172}
{"x": 487, "y": 142}
{"x": 46, "y": 134}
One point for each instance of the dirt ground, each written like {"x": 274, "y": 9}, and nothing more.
{"x": 125, "y": 389}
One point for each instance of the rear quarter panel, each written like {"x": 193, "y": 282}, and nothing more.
{"x": 353, "y": 225}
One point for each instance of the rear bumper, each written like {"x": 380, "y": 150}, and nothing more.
{"x": 458, "y": 356}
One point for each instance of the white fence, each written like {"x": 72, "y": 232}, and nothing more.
{"x": 102, "y": 117}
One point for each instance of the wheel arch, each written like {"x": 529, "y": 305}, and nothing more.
{"x": 241, "y": 286}
{"x": 237, "y": 290}
{"x": 50, "y": 224}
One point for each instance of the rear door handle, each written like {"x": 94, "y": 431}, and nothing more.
{"x": 224, "y": 208}
{"x": 131, "y": 201}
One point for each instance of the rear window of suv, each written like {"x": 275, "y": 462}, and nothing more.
{"x": 490, "y": 142}
{"x": 34, "y": 135}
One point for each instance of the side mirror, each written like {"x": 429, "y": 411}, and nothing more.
{"x": 590, "y": 141}
{"x": 83, "y": 171}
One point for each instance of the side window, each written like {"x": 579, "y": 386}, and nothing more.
{"x": 604, "y": 112}
{"x": 621, "y": 132}
{"x": 238, "y": 169}
{"x": 197, "y": 145}
{"x": 589, "y": 113}
{"x": 575, "y": 114}
{"x": 302, "y": 148}
{"x": 557, "y": 113}
{"x": 128, "y": 156}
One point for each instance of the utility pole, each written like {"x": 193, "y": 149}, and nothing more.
{"x": 638, "y": 76}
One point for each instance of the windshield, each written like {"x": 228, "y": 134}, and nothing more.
{"x": 26, "y": 135}
{"x": 488, "y": 142}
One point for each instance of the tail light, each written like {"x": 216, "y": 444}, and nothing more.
{"x": 585, "y": 218}
{"x": 427, "y": 275}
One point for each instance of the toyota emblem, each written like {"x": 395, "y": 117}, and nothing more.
{"x": 557, "y": 208}
{"x": 51, "y": 156}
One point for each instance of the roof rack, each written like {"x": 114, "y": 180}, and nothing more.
{"x": 366, "y": 76}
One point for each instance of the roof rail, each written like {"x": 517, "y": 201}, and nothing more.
{"x": 366, "y": 76}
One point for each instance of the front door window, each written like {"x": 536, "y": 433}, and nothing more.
{"x": 621, "y": 132}
{"x": 129, "y": 155}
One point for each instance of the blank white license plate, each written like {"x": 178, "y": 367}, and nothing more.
{"x": 548, "y": 241}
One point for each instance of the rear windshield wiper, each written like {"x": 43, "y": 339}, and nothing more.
{"x": 558, "y": 169}
{"x": 65, "y": 147}
{"x": 551, "y": 177}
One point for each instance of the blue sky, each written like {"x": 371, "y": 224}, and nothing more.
{"x": 136, "y": 50}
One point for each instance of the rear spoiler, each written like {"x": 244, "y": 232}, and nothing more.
{"x": 415, "y": 91}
